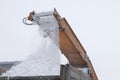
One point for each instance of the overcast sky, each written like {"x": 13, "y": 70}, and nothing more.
{"x": 96, "y": 24}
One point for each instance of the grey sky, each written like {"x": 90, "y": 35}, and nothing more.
{"x": 96, "y": 24}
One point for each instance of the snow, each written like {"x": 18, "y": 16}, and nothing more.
{"x": 46, "y": 60}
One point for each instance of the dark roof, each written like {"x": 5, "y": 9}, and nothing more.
{"x": 4, "y": 66}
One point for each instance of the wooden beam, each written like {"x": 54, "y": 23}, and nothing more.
{"x": 71, "y": 46}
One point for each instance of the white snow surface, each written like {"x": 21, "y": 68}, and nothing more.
{"x": 46, "y": 60}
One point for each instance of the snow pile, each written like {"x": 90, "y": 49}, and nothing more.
{"x": 47, "y": 59}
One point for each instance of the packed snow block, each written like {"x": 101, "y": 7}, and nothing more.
{"x": 73, "y": 73}
{"x": 84, "y": 77}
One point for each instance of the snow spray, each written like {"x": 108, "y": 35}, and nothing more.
{"x": 46, "y": 60}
